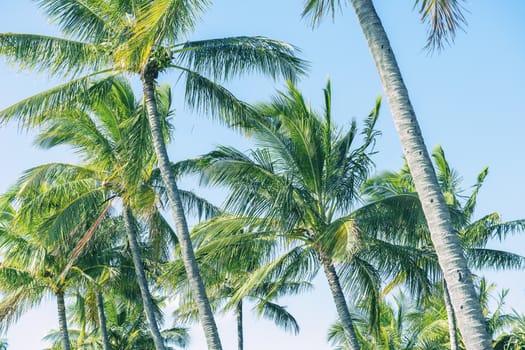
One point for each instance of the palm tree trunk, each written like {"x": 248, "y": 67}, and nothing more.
{"x": 446, "y": 244}
{"x": 102, "y": 321}
{"x": 177, "y": 211}
{"x": 147, "y": 300}
{"x": 240, "y": 334}
{"x": 340, "y": 301}
{"x": 62, "y": 321}
{"x": 452, "y": 331}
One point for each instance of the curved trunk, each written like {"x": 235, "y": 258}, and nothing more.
{"x": 340, "y": 301}
{"x": 177, "y": 211}
{"x": 240, "y": 334}
{"x": 62, "y": 321}
{"x": 102, "y": 321}
{"x": 147, "y": 300}
{"x": 453, "y": 334}
{"x": 446, "y": 244}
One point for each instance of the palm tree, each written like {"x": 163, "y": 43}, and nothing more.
{"x": 127, "y": 329}
{"x": 112, "y": 138}
{"x": 34, "y": 258}
{"x": 473, "y": 234}
{"x": 403, "y": 325}
{"x": 142, "y": 37}
{"x": 299, "y": 188}
{"x": 444, "y": 17}
{"x": 225, "y": 274}
{"x": 108, "y": 134}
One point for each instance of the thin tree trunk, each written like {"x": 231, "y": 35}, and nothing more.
{"x": 451, "y": 317}
{"x": 177, "y": 211}
{"x": 147, "y": 300}
{"x": 240, "y": 333}
{"x": 102, "y": 321}
{"x": 340, "y": 301}
{"x": 62, "y": 321}
{"x": 446, "y": 243}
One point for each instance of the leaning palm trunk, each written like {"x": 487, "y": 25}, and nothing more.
{"x": 181, "y": 226}
{"x": 452, "y": 331}
{"x": 62, "y": 321}
{"x": 102, "y": 321}
{"x": 446, "y": 243}
{"x": 240, "y": 333}
{"x": 340, "y": 301}
{"x": 141, "y": 278}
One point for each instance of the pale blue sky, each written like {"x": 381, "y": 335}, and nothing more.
{"x": 468, "y": 99}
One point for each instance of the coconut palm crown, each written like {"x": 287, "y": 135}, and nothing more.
{"x": 301, "y": 188}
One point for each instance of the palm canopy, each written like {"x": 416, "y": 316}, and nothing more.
{"x": 61, "y": 206}
{"x": 103, "y": 39}
{"x": 474, "y": 234}
{"x": 443, "y": 18}
{"x": 301, "y": 187}
{"x": 403, "y": 325}
{"x": 226, "y": 260}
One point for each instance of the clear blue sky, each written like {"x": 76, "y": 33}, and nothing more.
{"x": 468, "y": 99}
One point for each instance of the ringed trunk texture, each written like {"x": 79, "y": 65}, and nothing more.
{"x": 446, "y": 244}
{"x": 452, "y": 331}
{"x": 62, "y": 321}
{"x": 177, "y": 211}
{"x": 240, "y": 333}
{"x": 145, "y": 293}
{"x": 102, "y": 321}
{"x": 340, "y": 301}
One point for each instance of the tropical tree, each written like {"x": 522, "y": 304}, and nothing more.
{"x": 403, "y": 325}
{"x": 35, "y": 248}
{"x": 114, "y": 304}
{"x": 473, "y": 234}
{"x": 299, "y": 188}
{"x": 444, "y": 18}
{"x": 225, "y": 274}
{"x": 143, "y": 37}
{"x": 107, "y": 135}
{"x": 128, "y": 329}
{"x": 515, "y": 338}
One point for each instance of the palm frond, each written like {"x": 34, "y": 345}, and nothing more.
{"x": 317, "y": 9}
{"x": 482, "y": 258}
{"x": 278, "y": 314}
{"x": 33, "y": 110}
{"x": 161, "y": 22}
{"x": 56, "y": 56}
{"x": 444, "y": 18}
{"x": 206, "y": 96}
{"x": 226, "y": 58}
{"x": 79, "y": 18}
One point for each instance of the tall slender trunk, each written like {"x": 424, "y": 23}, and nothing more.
{"x": 62, "y": 321}
{"x": 177, "y": 211}
{"x": 102, "y": 321}
{"x": 446, "y": 244}
{"x": 340, "y": 301}
{"x": 145, "y": 293}
{"x": 451, "y": 317}
{"x": 240, "y": 333}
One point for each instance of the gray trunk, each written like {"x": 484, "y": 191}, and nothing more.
{"x": 240, "y": 333}
{"x": 452, "y": 331}
{"x": 147, "y": 300}
{"x": 340, "y": 301}
{"x": 62, "y": 321}
{"x": 102, "y": 321}
{"x": 177, "y": 211}
{"x": 446, "y": 244}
